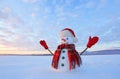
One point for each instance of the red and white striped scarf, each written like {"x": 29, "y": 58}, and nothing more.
{"x": 73, "y": 56}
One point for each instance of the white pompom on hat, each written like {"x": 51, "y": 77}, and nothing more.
{"x": 67, "y": 32}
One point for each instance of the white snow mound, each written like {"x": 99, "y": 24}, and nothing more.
{"x": 39, "y": 67}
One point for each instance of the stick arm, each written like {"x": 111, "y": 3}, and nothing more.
{"x": 50, "y": 51}
{"x": 83, "y": 51}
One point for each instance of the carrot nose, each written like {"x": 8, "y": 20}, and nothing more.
{"x": 64, "y": 40}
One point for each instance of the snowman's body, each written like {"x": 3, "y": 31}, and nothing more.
{"x": 63, "y": 60}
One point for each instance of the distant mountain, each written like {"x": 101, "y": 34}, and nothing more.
{"x": 103, "y": 52}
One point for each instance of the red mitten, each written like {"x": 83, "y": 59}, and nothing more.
{"x": 92, "y": 41}
{"x": 43, "y": 43}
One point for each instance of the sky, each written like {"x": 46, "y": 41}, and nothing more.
{"x": 23, "y": 23}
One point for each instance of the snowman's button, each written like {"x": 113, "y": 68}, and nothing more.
{"x": 63, "y": 51}
{"x": 62, "y": 64}
{"x": 63, "y": 57}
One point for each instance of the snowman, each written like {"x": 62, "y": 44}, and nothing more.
{"x": 65, "y": 56}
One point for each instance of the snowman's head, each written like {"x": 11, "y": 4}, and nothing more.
{"x": 67, "y": 36}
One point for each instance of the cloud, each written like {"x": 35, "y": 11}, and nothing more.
{"x": 5, "y": 43}
{"x": 10, "y": 29}
{"x": 6, "y": 32}
{"x": 2, "y": 36}
{"x": 2, "y": 15}
{"x": 4, "y": 12}
{"x": 15, "y": 21}
{"x": 9, "y": 18}
{"x": 6, "y": 48}
{"x": 20, "y": 42}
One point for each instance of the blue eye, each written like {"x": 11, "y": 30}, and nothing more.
{"x": 66, "y": 38}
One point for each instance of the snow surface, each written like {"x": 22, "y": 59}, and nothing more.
{"x": 39, "y": 67}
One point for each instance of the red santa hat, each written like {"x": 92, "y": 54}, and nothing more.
{"x": 67, "y": 32}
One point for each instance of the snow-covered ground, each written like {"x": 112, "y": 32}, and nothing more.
{"x": 39, "y": 67}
